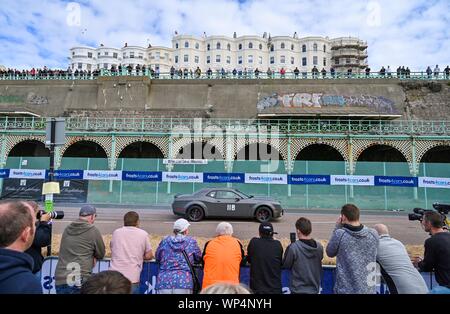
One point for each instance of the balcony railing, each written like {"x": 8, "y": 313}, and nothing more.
{"x": 228, "y": 75}
{"x": 166, "y": 125}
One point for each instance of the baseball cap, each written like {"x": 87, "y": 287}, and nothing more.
{"x": 181, "y": 225}
{"x": 87, "y": 210}
{"x": 266, "y": 228}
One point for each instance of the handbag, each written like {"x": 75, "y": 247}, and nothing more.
{"x": 196, "y": 282}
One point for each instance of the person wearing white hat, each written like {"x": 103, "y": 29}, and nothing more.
{"x": 174, "y": 276}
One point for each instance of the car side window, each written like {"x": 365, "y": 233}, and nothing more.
{"x": 227, "y": 195}
{"x": 212, "y": 194}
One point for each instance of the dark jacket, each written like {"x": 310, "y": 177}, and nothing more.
{"x": 42, "y": 238}
{"x": 437, "y": 257}
{"x": 81, "y": 242}
{"x": 15, "y": 273}
{"x": 265, "y": 256}
{"x": 304, "y": 259}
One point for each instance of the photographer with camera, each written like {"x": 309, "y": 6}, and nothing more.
{"x": 437, "y": 251}
{"x": 42, "y": 237}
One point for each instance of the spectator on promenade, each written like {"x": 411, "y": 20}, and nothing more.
{"x": 304, "y": 259}
{"x": 269, "y": 73}
{"x": 324, "y": 72}
{"x": 447, "y": 72}
{"x": 245, "y": 73}
{"x": 42, "y": 237}
{"x": 222, "y": 257}
{"x": 437, "y": 71}
{"x": 185, "y": 73}
{"x": 17, "y": 227}
{"x": 367, "y": 72}
{"x": 256, "y": 73}
{"x": 138, "y": 69}
{"x": 429, "y": 72}
{"x": 144, "y": 70}
{"x": 107, "y": 282}
{"x": 315, "y": 72}
{"x": 174, "y": 276}
{"x": 332, "y": 72}
{"x": 81, "y": 246}
{"x": 408, "y": 72}
{"x": 120, "y": 69}
{"x": 396, "y": 268}
{"x": 209, "y": 73}
{"x": 226, "y": 288}
{"x": 222, "y": 72}
{"x": 355, "y": 248}
{"x": 198, "y": 73}
{"x": 129, "y": 69}
{"x": 129, "y": 248}
{"x": 399, "y": 70}
{"x": 265, "y": 256}
{"x": 382, "y": 71}
{"x": 389, "y": 72}
{"x": 296, "y": 72}
{"x": 282, "y": 72}
{"x": 234, "y": 73}
{"x": 403, "y": 72}
{"x": 437, "y": 252}
{"x": 349, "y": 72}
{"x": 191, "y": 74}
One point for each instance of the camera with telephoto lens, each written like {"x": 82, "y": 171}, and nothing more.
{"x": 57, "y": 214}
{"x": 442, "y": 209}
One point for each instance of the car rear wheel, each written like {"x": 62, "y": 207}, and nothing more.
{"x": 263, "y": 214}
{"x": 195, "y": 213}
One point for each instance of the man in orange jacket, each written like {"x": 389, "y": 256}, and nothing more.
{"x": 222, "y": 257}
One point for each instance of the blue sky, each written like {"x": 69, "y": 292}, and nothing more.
{"x": 413, "y": 33}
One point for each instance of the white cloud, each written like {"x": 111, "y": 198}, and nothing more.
{"x": 413, "y": 33}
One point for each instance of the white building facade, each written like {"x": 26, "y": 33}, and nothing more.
{"x": 240, "y": 53}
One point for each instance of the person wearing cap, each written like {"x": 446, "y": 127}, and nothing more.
{"x": 129, "y": 248}
{"x": 222, "y": 257}
{"x": 304, "y": 259}
{"x": 174, "y": 276}
{"x": 265, "y": 256}
{"x": 81, "y": 245}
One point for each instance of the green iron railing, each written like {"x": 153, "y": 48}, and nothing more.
{"x": 288, "y": 126}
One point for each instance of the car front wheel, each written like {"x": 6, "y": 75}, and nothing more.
{"x": 263, "y": 214}
{"x": 195, "y": 213}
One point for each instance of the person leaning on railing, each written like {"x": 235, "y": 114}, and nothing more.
{"x": 447, "y": 72}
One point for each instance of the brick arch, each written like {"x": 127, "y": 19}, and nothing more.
{"x": 425, "y": 147}
{"x": 104, "y": 142}
{"x": 188, "y": 141}
{"x": 241, "y": 143}
{"x": 122, "y": 143}
{"x": 299, "y": 144}
{"x": 401, "y": 147}
{"x": 12, "y": 141}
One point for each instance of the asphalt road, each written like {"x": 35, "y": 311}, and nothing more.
{"x": 160, "y": 222}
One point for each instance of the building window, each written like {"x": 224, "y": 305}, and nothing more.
{"x": 324, "y": 62}
{"x": 292, "y": 60}
{"x": 89, "y": 54}
{"x": 115, "y": 55}
{"x": 315, "y": 47}
{"x": 336, "y": 62}
{"x": 208, "y": 47}
{"x": 240, "y": 60}
{"x": 157, "y": 55}
{"x": 282, "y": 46}
{"x": 176, "y": 59}
{"x": 229, "y": 47}
{"x": 240, "y": 46}
{"x": 73, "y": 53}
{"x": 141, "y": 55}
{"x": 272, "y": 60}
{"x": 124, "y": 54}
{"x": 98, "y": 55}
{"x": 292, "y": 47}
{"x": 196, "y": 59}
{"x": 186, "y": 58}
{"x": 315, "y": 62}
{"x": 80, "y": 66}
{"x": 176, "y": 46}
{"x": 197, "y": 46}
{"x": 304, "y": 63}
{"x": 250, "y": 59}
{"x": 272, "y": 48}
{"x": 218, "y": 46}
{"x": 228, "y": 59}
{"x": 186, "y": 44}
{"x": 347, "y": 60}
{"x": 208, "y": 59}
{"x": 282, "y": 59}
{"x": 105, "y": 65}
{"x": 250, "y": 45}
{"x": 217, "y": 58}
{"x": 260, "y": 46}
{"x": 260, "y": 60}
{"x": 324, "y": 48}
{"x": 304, "y": 48}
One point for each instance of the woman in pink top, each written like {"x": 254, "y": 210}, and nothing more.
{"x": 129, "y": 248}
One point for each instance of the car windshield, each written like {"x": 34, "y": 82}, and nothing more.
{"x": 243, "y": 194}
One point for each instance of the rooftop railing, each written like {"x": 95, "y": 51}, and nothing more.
{"x": 229, "y": 75}
{"x": 287, "y": 126}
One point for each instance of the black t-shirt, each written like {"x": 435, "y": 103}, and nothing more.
{"x": 437, "y": 257}
{"x": 265, "y": 256}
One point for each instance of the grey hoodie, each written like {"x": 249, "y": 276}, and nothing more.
{"x": 305, "y": 263}
{"x": 81, "y": 242}
{"x": 356, "y": 252}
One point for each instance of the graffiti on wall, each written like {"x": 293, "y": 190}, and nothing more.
{"x": 320, "y": 100}
{"x": 34, "y": 99}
